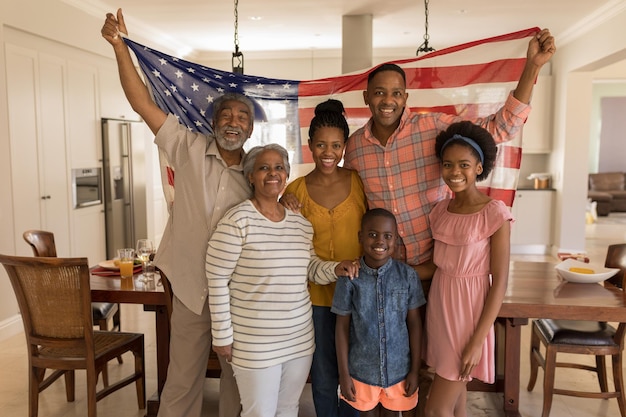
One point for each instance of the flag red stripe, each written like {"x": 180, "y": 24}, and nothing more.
{"x": 504, "y": 70}
{"x": 501, "y": 38}
{"x": 511, "y": 156}
{"x": 170, "y": 176}
{"x": 500, "y": 194}
{"x": 457, "y": 76}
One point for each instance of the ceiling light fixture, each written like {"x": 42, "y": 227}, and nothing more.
{"x": 424, "y": 47}
{"x": 237, "y": 60}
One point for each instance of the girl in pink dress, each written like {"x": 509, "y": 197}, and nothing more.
{"x": 471, "y": 251}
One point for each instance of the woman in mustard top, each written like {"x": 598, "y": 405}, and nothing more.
{"x": 332, "y": 199}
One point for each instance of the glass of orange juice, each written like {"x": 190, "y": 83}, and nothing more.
{"x": 127, "y": 260}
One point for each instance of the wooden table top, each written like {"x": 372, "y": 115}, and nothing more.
{"x": 535, "y": 290}
{"x": 117, "y": 290}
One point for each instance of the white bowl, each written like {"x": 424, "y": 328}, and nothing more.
{"x": 600, "y": 272}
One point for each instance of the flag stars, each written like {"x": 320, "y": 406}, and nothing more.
{"x": 156, "y": 73}
{"x": 209, "y": 98}
{"x": 195, "y": 87}
{"x": 218, "y": 77}
{"x": 188, "y": 100}
{"x": 232, "y": 85}
{"x": 220, "y": 90}
{"x": 173, "y": 88}
{"x": 191, "y": 70}
{"x": 286, "y": 86}
{"x": 260, "y": 86}
{"x": 167, "y": 93}
{"x": 163, "y": 61}
{"x": 198, "y": 123}
{"x": 179, "y": 74}
{"x": 203, "y": 113}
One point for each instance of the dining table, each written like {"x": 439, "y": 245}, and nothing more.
{"x": 535, "y": 290}
{"x": 114, "y": 289}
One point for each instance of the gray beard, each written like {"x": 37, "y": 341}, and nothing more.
{"x": 229, "y": 145}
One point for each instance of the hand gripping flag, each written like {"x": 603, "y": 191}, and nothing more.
{"x": 470, "y": 80}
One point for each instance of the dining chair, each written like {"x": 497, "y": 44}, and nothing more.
{"x": 616, "y": 258}
{"x": 42, "y": 244}
{"x": 213, "y": 369}
{"x": 54, "y": 298}
{"x": 581, "y": 337}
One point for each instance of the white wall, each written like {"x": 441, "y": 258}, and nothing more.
{"x": 604, "y": 88}
{"x": 574, "y": 69}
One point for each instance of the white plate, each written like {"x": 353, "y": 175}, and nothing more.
{"x": 108, "y": 265}
{"x": 600, "y": 272}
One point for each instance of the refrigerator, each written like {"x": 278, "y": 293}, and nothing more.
{"x": 124, "y": 175}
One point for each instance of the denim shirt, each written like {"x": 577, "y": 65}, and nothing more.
{"x": 378, "y": 302}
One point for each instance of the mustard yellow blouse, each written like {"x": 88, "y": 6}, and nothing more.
{"x": 335, "y": 232}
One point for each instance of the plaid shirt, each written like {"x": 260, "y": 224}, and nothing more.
{"x": 404, "y": 176}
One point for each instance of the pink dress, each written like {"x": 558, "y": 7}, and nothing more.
{"x": 460, "y": 286}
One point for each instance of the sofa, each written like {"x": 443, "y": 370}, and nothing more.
{"x": 608, "y": 190}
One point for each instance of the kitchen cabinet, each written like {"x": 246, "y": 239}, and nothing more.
{"x": 84, "y": 128}
{"x": 39, "y": 173}
{"x": 113, "y": 102}
{"x": 54, "y": 126}
{"x": 536, "y": 136}
{"x": 531, "y": 233}
{"x": 92, "y": 245}
{"x": 56, "y": 98}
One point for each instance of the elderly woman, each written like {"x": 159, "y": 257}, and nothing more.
{"x": 256, "y": 265}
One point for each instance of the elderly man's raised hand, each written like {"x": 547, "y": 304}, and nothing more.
{"x": 541, "y": 48}
{"x": 113, "y": 26}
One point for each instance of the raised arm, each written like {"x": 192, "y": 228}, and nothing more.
{"x": 540, "y": 49}
{"x": 134, "y": 88}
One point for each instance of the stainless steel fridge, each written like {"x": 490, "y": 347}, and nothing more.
{"x": 124, "y": 174}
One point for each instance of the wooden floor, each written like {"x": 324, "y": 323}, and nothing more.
{"x": 14, "y": 383}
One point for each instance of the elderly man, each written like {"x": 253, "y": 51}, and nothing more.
{"x": 209, "y": 181}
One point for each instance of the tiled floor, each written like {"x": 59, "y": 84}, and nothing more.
{"x": 14, "y": 384}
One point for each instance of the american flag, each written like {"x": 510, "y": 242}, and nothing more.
{"x": 470, "y": 80}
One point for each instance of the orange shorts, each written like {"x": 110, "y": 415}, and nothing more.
{"x": 392, "y": 398}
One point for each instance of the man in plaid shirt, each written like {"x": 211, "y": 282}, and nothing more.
{"x": 394, "y": 153}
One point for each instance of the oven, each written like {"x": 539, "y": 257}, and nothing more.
{"x": 86, "y": 187}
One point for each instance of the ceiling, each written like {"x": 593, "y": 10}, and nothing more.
{"x": 207, "y": 26}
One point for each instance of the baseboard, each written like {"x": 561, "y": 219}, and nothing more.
{"x": 11, "y": 326}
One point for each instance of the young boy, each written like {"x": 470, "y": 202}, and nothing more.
{"x": 379, "y": 329}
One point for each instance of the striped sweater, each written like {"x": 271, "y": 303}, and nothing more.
{"x": 258, "y": 297}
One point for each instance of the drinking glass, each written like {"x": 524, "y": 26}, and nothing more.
{"x": 145, "y": 248}
{"x": 127, "y": 259}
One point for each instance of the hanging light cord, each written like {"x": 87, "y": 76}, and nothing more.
{"x": 424, "y": 47}
{"x": 237, "y": 60}
{"x": 236, "y": 27}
